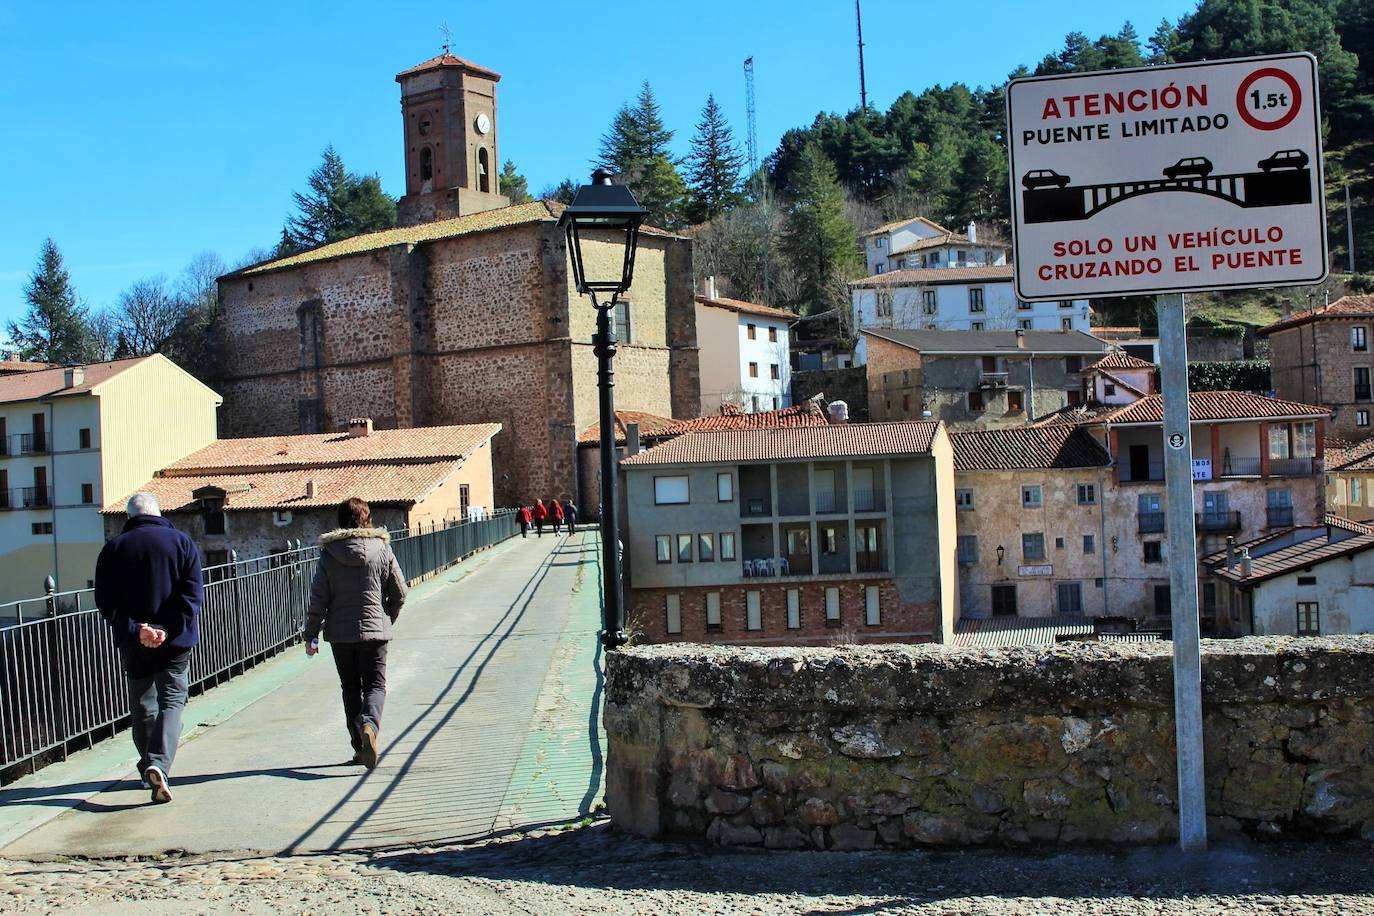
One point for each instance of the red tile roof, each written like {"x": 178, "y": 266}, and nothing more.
{"x": 448, "y": 60}
{"x": 843, "y": 440}
{"x": 748, "y": 308}
{"x": 1119, "y": 360}
{"x": 1344, "y": 307}
{"x": 1021, "y": 447}
{"x": 899, "y": 223}
{"x": 1216, "y": 405}
{"x": 1074, "y": 414}
{"x": 11, "y": 366}
{"x": 41, "y": 383}
{"x": 808, "y": 413}
{"x": 383, "y": 446}
{"x": 1356, "y": 457}
{"x": 934, "y": 276}
{"x": 936, "y": 241}
{"x": 1293, "y": 558}
{"x": 651, "y": 426}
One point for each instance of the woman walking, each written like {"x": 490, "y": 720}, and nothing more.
{"x": 541, "y": 515}
{"x": 570, "y": 514}
{"x": 523, "y": 516}
{"x": 556, "y": 510}
{"x": 356, "y": 597}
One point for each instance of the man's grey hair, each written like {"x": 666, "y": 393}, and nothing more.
{"x": 143, "y": 504}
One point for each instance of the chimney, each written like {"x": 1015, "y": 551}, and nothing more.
{"x": 972, "y": 233}
{"x": 1020, "y": 339}
{"x": 708, "y": 287}
{"x": 360, "y": 427}
{"x": 631, "y": 439}
{"x": 1230, "y": 551}
{"x": 839, "y": 412}
{"x": 72, "y": 376}
{"x": 310, "y": 489}
{"x": 1247, "y": 568}
{"x": 1285, "y": 307}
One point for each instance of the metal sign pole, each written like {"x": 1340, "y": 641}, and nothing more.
{"x": 1178, "y": 473}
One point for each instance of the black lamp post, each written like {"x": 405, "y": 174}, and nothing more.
{"x": 609, "y": 214}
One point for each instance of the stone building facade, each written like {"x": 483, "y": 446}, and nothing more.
{"x": 1325, "y": 357}
{"x": 462, "y": 320}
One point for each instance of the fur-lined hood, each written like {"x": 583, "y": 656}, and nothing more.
{"x": 355, "y": 546}
{"x": 339, "y": 534}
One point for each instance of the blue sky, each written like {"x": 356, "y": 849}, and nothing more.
{"x": 138, "y": 135}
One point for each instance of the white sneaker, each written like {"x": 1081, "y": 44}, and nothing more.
{"x": 162, "y": 792}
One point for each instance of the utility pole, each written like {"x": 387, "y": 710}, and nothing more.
{"x": 863, "y": 90}
{"x": 1349, "y": 228}
{"x": 759, "y": 182}
{"x": 1182, "y": 531}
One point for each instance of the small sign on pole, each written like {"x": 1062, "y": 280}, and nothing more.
{"x": 1165, "y": 180}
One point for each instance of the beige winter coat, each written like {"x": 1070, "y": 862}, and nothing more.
{"x": 359, "y": 588}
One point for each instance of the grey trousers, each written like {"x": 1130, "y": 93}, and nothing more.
{"x": 362, "y": 681}
{"x": 156, "y": 702}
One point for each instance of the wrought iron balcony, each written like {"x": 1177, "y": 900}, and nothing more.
{"x": 1279, "y": 516}
{"x": 35, "y": 497}
{"x": 33, "y": 443}
{"x": 1218, "y": 521}
{"x": 1151, "y": 522}
{"x": 993, "y": 380}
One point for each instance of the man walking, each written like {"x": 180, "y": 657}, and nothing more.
{"x": 148, "y": 588}
{"x": 570, "y": 514}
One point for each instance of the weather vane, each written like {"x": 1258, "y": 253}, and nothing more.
{"x": 448, "y": 36}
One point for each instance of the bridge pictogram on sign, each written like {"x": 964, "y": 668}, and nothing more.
{"x": 1048, "y": 197}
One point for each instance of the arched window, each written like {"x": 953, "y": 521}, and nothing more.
{"x": 426, "y": 164}
{"x": 483, "y": 172}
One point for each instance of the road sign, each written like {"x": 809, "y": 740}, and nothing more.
{"x": 1167, "y": 179}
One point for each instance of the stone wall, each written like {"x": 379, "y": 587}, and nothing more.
{"x": 856, "y": 747}
{"x": 848, "y": 385}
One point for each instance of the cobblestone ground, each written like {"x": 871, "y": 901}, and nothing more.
{"x": 593, "y": 870}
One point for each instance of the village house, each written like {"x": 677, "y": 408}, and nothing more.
{"x": 1309, "y": 580}
{"x": 258, "y": 496}
{"x": 975, "y": 378}
{"x": 1350, "y": 480}
{"x": 842, "y": 533}
{"x": 71, "y": 438}
{"x": 967, "y": 298}
{"x": 1030, "y": 512}
{"x": 1322, "y": 356}
{"x": 465, "y": 313}
{"x": 918, "y": 242}
{"x": 1118, "y": 378}
{"x": 744, "y": 353}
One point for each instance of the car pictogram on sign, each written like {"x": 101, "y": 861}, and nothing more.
{"x": 1284, "y": 159}
{"x": 1043, "y": 178}
{"x": 1192, "y": 167}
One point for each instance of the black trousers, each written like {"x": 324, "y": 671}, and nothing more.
{"x": 524, "y": 528}
{"x": 362, "y": 680}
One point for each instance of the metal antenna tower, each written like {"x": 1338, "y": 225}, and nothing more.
{"x": 863, "y": 90}
{"x": 749, "y": 107}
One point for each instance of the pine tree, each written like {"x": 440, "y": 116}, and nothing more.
{"x": 635, "y": 150}
{"x": 713, "y": 166}
{"x": 338, "y": 204}
{"x": 819, "y": 241}
{"x": 53, "y": 330}
{"x": 514, "y": 185}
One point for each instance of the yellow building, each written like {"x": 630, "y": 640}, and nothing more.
{"x": 72, "y": 437}
{"x": 1350, "y": 480}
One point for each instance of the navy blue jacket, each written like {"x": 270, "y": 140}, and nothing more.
{"x": 150, "y": 573}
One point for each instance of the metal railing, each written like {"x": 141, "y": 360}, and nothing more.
{"x": 33, "y": 498}
{"x": 1154, "y": 473}
{"x": 33, "y": 443}
{"x": 1212, "y": 520}
{"x": 1151, "y": 522}
{"x": 1279, "y": 516}
{"x": 62, "y": 684}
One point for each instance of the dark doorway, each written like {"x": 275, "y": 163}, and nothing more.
{"x": 1004, "y": 600}
{"x": 1163, "y": 607}
{"x": 1140, "y": 462}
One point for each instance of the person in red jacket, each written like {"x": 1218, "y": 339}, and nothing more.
{"x": 556, "y": 513}
{"x": 541, "y": 515}
{"x": 523, "y": 516}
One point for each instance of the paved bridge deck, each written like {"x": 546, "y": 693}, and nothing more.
{"x": 492, "y": 723}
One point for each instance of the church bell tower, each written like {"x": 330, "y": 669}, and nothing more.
{"x": 449, "y": 110}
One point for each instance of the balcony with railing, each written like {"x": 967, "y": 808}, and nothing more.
{"x": 33, "y": 443}
{"x": 1135, "y": 472}
{"x": 1279, "y": 516}
{"x": 1218, "y": 522}
{"x": 1151, "y": 522}
{"x": 869, "y": 499}
{"x": 992, "y": 380}
{"x": 33, "y": 498}
{"x": 1292, "y": 467}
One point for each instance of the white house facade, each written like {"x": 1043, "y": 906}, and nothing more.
{"x": 745, "y": 355}
{"x": 957, "y": 299}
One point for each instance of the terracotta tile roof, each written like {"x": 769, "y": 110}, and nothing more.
{"x": 899, "y": 223}
{"x": 989, "y": 343}
{"x": 1293, "y": 558}
{"x": 383, "y": 446}
{"x": 935, "y": 241}
{"x": 1074, "y": 414}
{"x": 1216, "y": 405}
{"x": 11, "y": 366}
{"x": 748, "y": 308}
{"x": 833, "y": 441}
{"x": 651, "y": 426}
{"x": 1119, "y": 360}
{"x": 448, "y": 60}
{"x": 41, "y": 383}
{"x": 1020, "y": 447}
{"x": 808, "y": 413}
{"x": 1344, "y": 307}
{"x": 935, "y": 276}
{"x": 486, "y": 221}
{"x": 1356, "y": 457}
{"x": 1122, "y": 383}
{"x": 394, "y": 484}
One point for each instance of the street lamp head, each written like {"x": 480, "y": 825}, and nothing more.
{"x": 1000, "y": 551}
{"x": 609, "y": 213}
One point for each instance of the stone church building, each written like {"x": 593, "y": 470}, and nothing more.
{"x": 464, "y": 313}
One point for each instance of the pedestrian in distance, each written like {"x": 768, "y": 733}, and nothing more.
{"x": 148, "y": 588}
{"x": 523, "y": 516}
{"x": 541, "y": 515}
{"x": 356, "y": 597}
{"x": 556, "y": 512}
{"x": 570, "y": 514}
